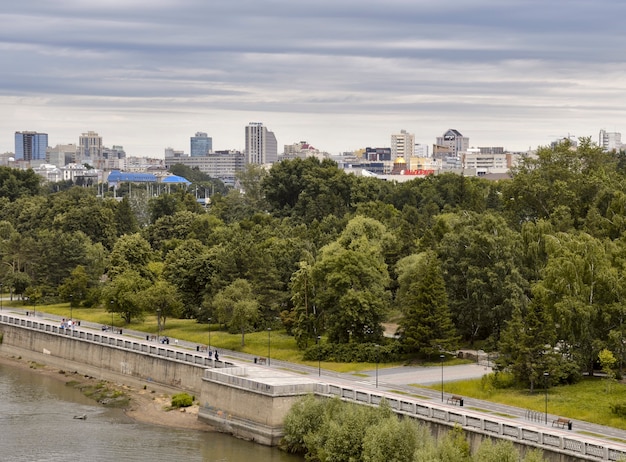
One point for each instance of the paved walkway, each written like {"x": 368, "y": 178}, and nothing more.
{"x": 398, "y": 380}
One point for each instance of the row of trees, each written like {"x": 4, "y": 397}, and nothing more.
{"x": 531, "y": 266}
{"x": 331, "y": 430}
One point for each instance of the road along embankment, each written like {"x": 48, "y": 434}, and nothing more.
{"x": 251, "y": 401}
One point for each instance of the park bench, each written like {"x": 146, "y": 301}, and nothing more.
{"x": 262, "y": 361}
{"x": 455, "y": 399}
{"x": 562, "y": 422}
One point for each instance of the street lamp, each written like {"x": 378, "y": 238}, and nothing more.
{"x": 269, "y": 342}
{"x": 158, "y": 323}
{"x": 209, "y": 347}
{"x": 319, "y": 356}
{"x": 112, "y": 302}
{"x": 442, "y": 357}
{"x": 71, "y": 305}
{"x": 377, "y": 359}
{"x": 545, "y": 385}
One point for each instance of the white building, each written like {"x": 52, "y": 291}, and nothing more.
{"x": 402, "y": 145}
{"x": 261, "y": 145}
{"x": 486, "y": 162}
{"x": 610, "y": 141}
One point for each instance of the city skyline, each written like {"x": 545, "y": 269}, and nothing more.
{"x": 340, "y": 75}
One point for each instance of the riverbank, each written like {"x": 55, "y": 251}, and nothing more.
{"x": 149, "y": 405}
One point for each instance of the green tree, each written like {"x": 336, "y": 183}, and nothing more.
{"x": 163, "y": 299}
{"x": 306, "y": 322}
{"x": 426, "y": 325}
{"x": 561, "y": 177}
{"x": 237, "y": 306}
{"x": 578, "y": 289}
{"x": 125, "y": 219}
{"x": 391, "y": 440}
{"x": 16, "y": 183}
{"x": 76, "y": 286}
{"x": 607, "y": 362}
{"x": 191, "y": 268}
{"x": 120, "y": 295}
{"x": 351, "y": 280}
{"x": 480, "y": 258}
{"x": 527, "y": 345}
{"x": 130, "y": 252}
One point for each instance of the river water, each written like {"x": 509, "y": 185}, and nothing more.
{"x": 37, "y": 424}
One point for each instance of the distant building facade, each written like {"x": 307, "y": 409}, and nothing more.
{"x": 201, "y": 145}
{"x": 89, "y": 147}
{"x": 61, "y": 154}
{"x": 610, "y": 141}
{"x": 302, "y": 150}
{"x": 261, "y": 145}
{"x": 30, "y": 146}
{"x": 377, "y": 154}
{"x": 402, "y": 145}
{"x": 451, "y": 144}
{"x": 221, "y": 164}
{"x": 485, "y": 162}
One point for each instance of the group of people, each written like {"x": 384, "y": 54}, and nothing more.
{"x": 69, "y": 324}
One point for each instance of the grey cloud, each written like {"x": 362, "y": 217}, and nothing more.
{"x": 408, "y": 58}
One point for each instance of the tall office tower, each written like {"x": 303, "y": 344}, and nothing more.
{"x": 261, "y": 145}
{"x": 201, "y": 144}
{"x": 610, "y": 141}
{"x": 89, "y": 146}
{"x": 30, "y": 146}
{"x": 402, "y": 145}
{"x": 454, "y": 142}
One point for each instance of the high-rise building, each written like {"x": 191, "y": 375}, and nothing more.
{"x": 201, "y": 144}
{"x": 221, "y": 164}
{"x": 453, "y": 141}
{"x": 30, "y": 146}
{"x": 261, "y": 145}
{"x": 610, "y": 141}
{"x": 61, "y": 154}
{"x": 89, "y": 146}
{"x": 402, "y": 145}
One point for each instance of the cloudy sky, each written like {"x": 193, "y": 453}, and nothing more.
{"x": 340, "y": 74}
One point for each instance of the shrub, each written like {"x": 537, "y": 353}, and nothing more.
{"x": 354, "y": 352}
{"x": 618, "y": 409}
{"x": 182, "y": 400}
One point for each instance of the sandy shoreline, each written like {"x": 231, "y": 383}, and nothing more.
{"x": 146, "y": 405}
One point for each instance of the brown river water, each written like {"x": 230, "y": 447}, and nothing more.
{"x": 37, "y": 424}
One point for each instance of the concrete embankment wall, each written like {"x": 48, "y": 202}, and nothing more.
{"x": 251, "y": 402}
{"x": 103, "y": 355}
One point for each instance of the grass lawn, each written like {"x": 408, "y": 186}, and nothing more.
{"x": 588, "y": 400}
{"x": 283, "y": 346}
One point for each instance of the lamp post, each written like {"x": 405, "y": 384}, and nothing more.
{"x": 319, "y": 356}
{"x": 112, "y": 302}
{"x": 1, "y": 296}
{"x": 269, "y": 343}
{"x": 209, "y": 347}
{"x": 71, "y": 305}
{"x": 441, "y": 357}
{"x": 158, "y": 323}
{"x": 377, "y": 359}
{"x": 545, "y": 385}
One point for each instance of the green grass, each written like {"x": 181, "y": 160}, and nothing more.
{"x": 282, "y": 346}
{"x": 587, "y": 400}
